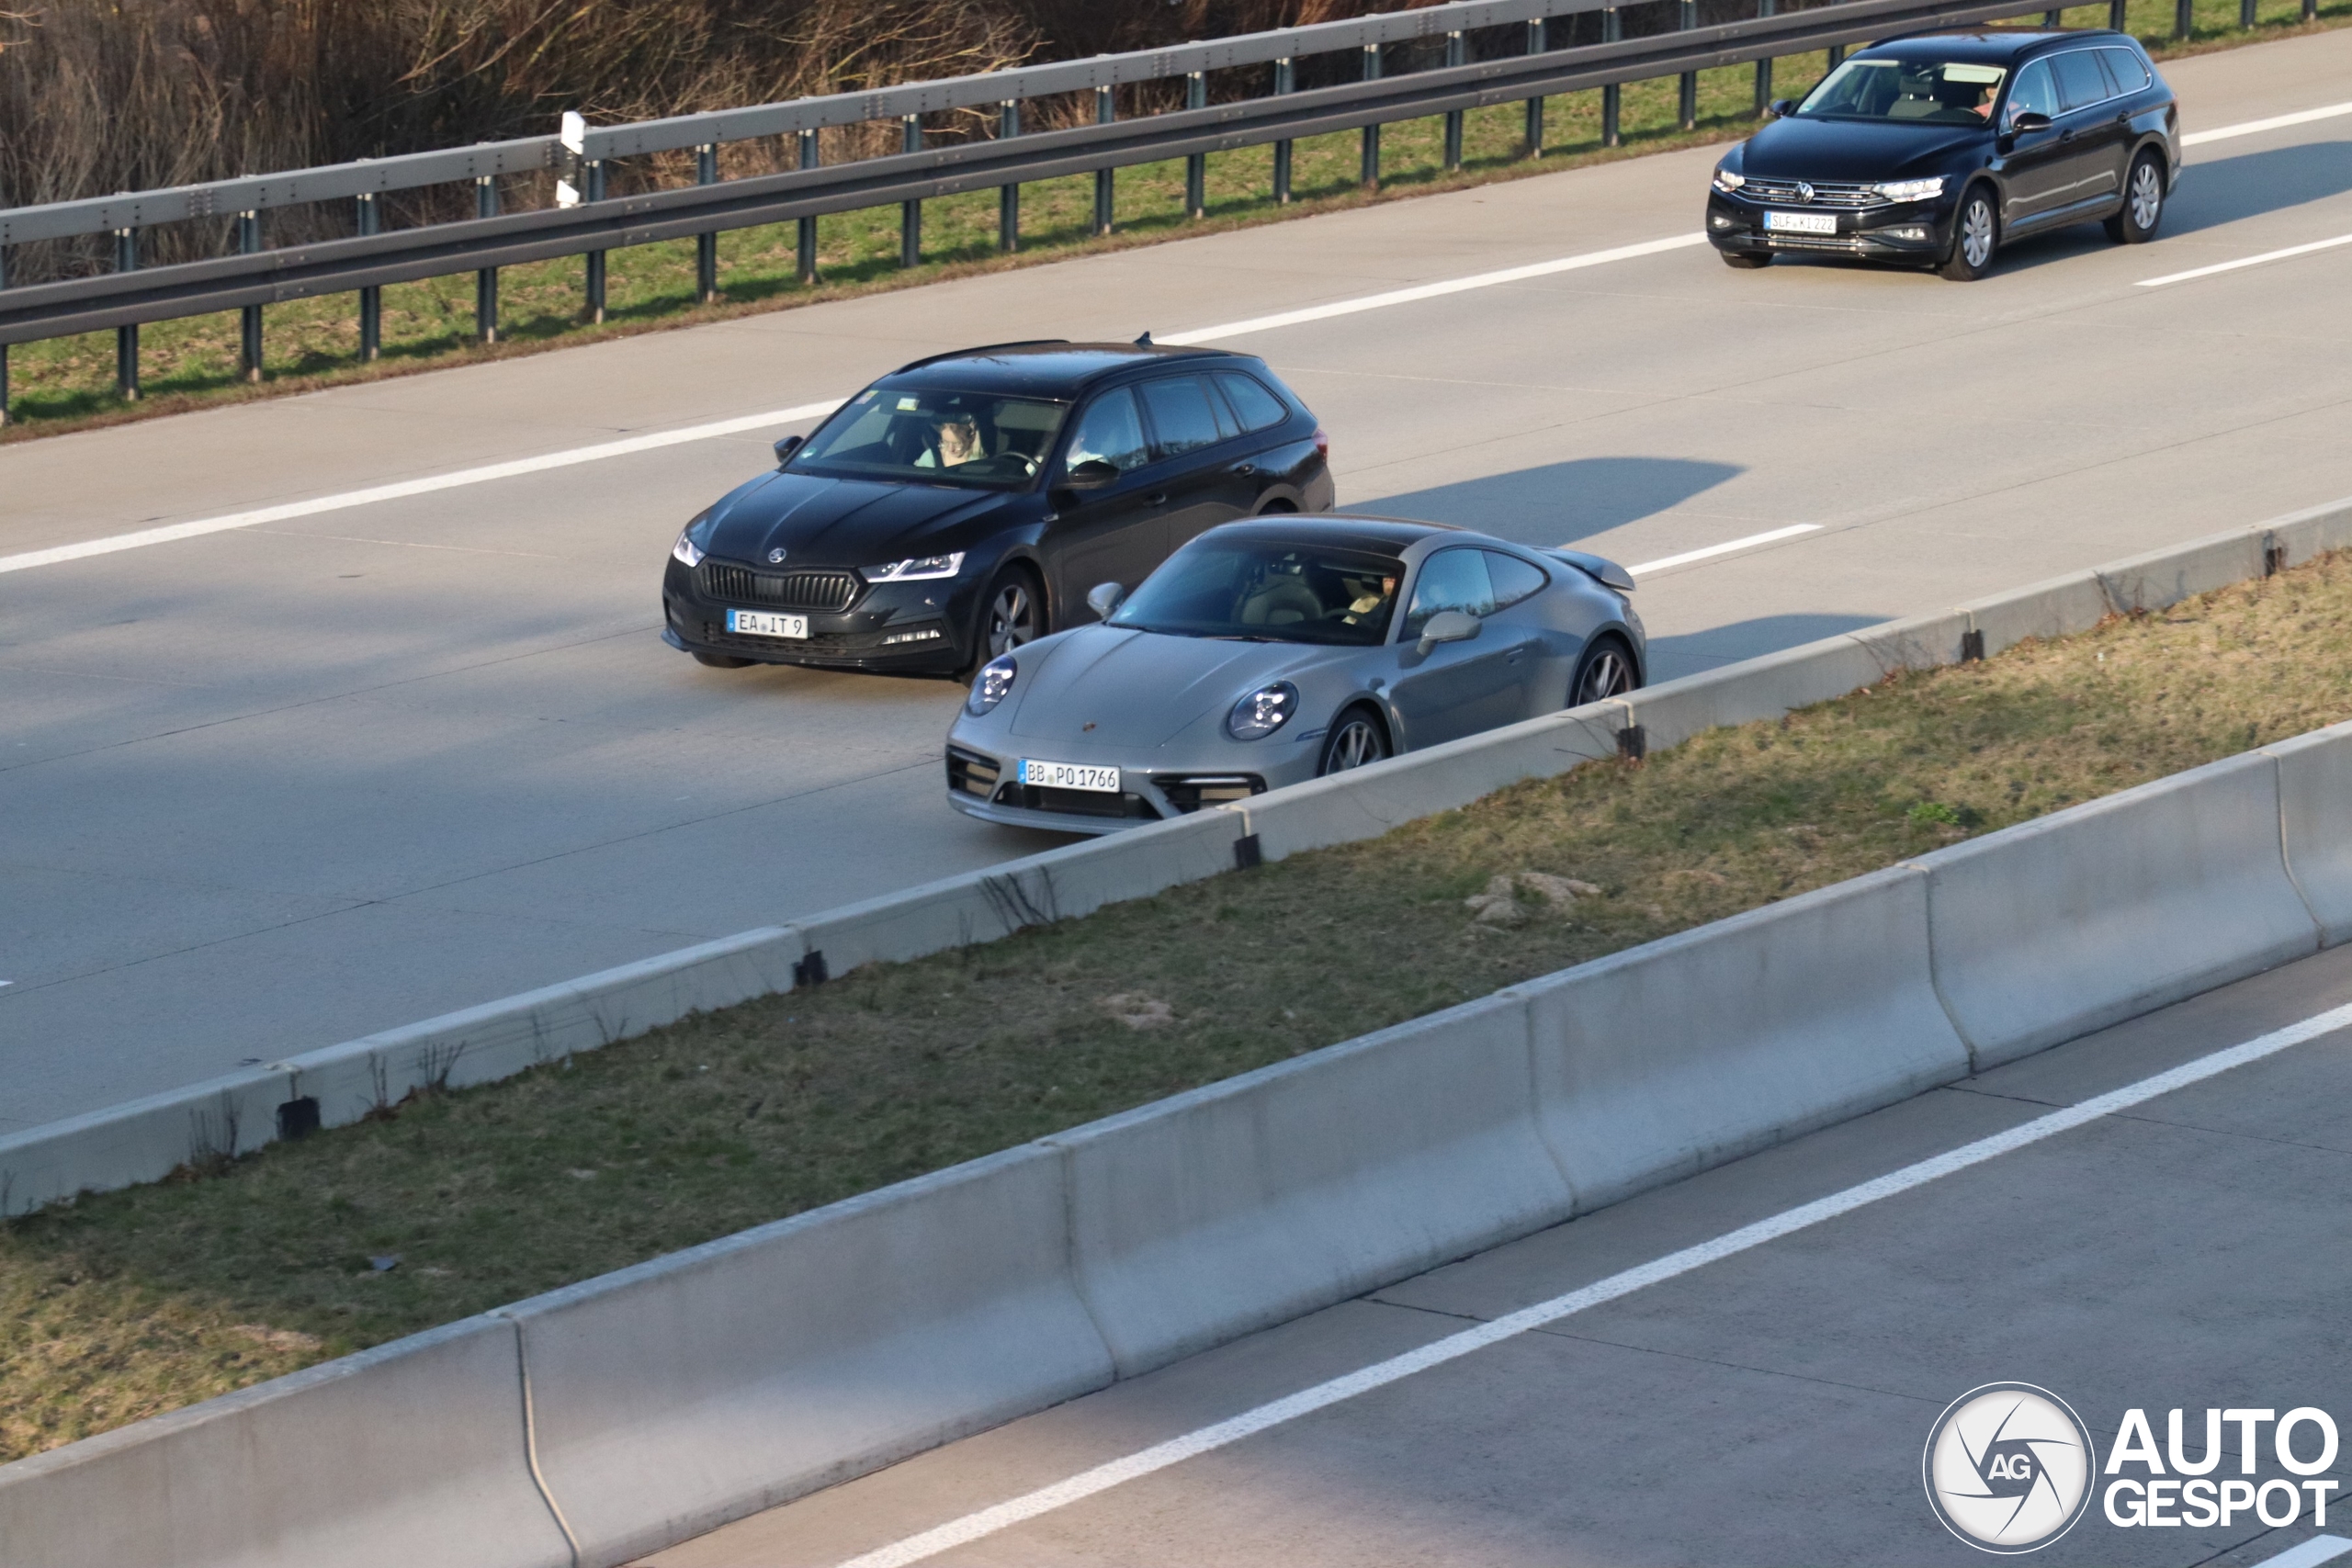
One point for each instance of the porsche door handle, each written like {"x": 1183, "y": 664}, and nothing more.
{"x": 1245, "y": 469}
{"x": 1160, "y": 499}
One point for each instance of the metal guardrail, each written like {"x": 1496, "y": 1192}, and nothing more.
{"x": 128, "y": 296}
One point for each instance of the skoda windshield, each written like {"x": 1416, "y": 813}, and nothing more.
{"x": 1924, "y": 92}
{"x": 928, "y": 437}
{"x": 1267, "y": 591}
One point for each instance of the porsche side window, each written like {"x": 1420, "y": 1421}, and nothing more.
{"x": 1108, "y": 431}
{"x": 1514, "y": 579}
{"x": 2034, "y": 94}
{"x": 1451, "y": 579}
{"x": 1259, "y": 409}
{"x": 1181, "y": 416}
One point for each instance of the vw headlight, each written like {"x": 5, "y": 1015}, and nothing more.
{"x": 993, "y": 682}
{"x": 917, "y": 569}
{"x": 1263, "y": 712}
{"x": 1728, "y": 182}
{"x": 1911, "y": 191}
{"x": 688, "y": 550}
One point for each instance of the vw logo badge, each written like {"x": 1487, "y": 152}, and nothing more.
{"x": 1804, "y": 191}
{"x": 776, "y": 556}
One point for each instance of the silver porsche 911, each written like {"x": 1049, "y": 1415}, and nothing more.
{"x": 1278, "y": 650}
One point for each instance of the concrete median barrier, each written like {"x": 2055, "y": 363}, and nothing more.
{"x": 2163, "y": 577}
{"x": 1662, "y": 1060}
{"x": 2057, "y": 927}
{"x": 2060, "y": 607}
{"x": 145, "y": 1140}
{"x": 1250, "y": 1202}
{"x": 2299, "y": 536}
{"x": 2315, "y": 824}
{"x": 670, "y": 1397}
{"x": 410, "y": 1454}
{"x": 1764, "y": 687}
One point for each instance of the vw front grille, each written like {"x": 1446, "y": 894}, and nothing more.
{"x": 1785, "y": 193}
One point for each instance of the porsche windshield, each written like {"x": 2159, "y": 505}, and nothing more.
{"x": 1268, "y": 591}
{"x": 928, "y": 437}
{"x": 1930, "y": 93}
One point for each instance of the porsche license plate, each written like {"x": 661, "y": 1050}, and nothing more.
{"x": 761, "y": 623}
{"x": 1802, "y": 222}
{"x": 1069, "y": 776}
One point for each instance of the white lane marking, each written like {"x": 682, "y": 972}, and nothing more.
{"x": 405, "y": 487}
{"x": 1687, "y": 557}
{"x": 1101, "y": 1478}
{"x": 1434, "y": 290}
{"x": 2223, "y": 133}
{"x": 2310, "y": 1554}
{"x": 2246, "y": 261}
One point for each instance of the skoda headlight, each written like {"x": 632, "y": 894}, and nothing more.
{"x": 1728, "y": 182}
{"x": 916, "y": 568}
{"x": 993, "y": 682}
{"x": 1263, "y": 712}
{"x": 688, "y": 551}
{"x": 1911, "y": 191}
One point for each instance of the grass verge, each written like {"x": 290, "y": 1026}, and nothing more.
{"x": 64, "y": 384}
{"x": 124, "y": 1304}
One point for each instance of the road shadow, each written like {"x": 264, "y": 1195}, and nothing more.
{"x": 1674, "y": 656}
{"x": 2252, "y": 184}
{"x": 1557, "y": 502}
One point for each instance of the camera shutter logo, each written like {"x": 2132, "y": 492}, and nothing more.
{"x": 2009, "y": 1466}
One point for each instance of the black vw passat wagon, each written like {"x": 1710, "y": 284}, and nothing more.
{"x": 1939, "y": 149}
{"x": 968, "y": 502}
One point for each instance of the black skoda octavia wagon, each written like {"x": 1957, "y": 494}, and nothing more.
{"x": 1941, "y": 149}
{"x": 968, "y": 502}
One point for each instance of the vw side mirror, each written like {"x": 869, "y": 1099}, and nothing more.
{"x": 786, "y": 447}
{"x": 1446, "y": 626}
{"x": 1781, "y": 108}
{"x": 1092, "y": 474}
{"x": 2027, "y": 122}
{"x": 1103, "y": 598}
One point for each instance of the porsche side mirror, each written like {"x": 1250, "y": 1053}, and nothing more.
{"x": 786, "y": 447}
{"x": 1092, "y": 474}
{"x": 1103, "y": 598}
{"x": 1781, "y": 108}
{"x": 2028, "y": 121}
{"x": 1446, "y": 626}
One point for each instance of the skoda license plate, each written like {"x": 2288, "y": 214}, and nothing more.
{"x": 1802, "y": 222}
{"x": 761, "y": 623}
{"x": 1069, "y": 776}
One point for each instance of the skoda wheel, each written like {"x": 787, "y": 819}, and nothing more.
{"x": 1012, "y": 614}
{"x": 1606, "y": 671}
{"x": 2143, "y": 203}
{"x": 1975, "y": 234}
{"x": 1356, "y": 738}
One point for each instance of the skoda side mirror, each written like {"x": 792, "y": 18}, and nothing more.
{"x": 1103, "y": 598}
{"x": 1781, "y": 108}
{"x": 1446, "y": 626}
{"x": 786, "y": 447}
{"x": 2027, "y": 122}
{"x": 1092, "y": 474}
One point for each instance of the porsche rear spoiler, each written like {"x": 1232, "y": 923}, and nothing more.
{"x": 1598, "y": 568}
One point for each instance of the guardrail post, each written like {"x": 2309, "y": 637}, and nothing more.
{"x": 1008, "y": 197}
{"x": 1285, "y": 81}
{"x": 1687, "y": 111}
{"x": 1612, "y": 27}
{"x": 2182, "y": 20}
{"x": 1838, "y": 50}
{"x": 2115, "y": 17}
{"x": 1535, "y": 45}
{"x": 2311, "y": 11}
{"x": 126, "y": 339}
{"x": 486, "y": 280}
{"x": 2246, "y": 14}
{"x": 249, "y": 356}
{"x": 4, "y": 347}
{"x": 807, "y": 235}
{"x": 592, "y": 175}
{"x": 1196, "y": 167}
{"x": 1369, "y": 173}
{"x": 1455, "y": 54}
{"x": 911, "y": 212}
{"x": 1107, "y": 110}
{"x": 1764, "y": 66}
{"x": 707, "y": 244}
{"x": 371, "y": 300}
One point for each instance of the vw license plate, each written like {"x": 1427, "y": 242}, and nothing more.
{"x": 761, "y": 623}
{"x": 1069, "y": 776}
{"x": 1802, "y": 222}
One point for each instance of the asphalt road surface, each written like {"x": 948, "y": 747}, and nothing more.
{"x": 1767, "y": 1407}
{"x": 266, "y": 788}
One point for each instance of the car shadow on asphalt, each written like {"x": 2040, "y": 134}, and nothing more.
{"x": 1558, "y": 504}
{"x": 2252, "y": 184}
{"x": 1671, "y": 658}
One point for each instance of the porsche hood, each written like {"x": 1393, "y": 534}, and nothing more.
{"x": 1116, "y": 687}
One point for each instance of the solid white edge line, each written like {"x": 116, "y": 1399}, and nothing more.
{"x": 405, "y": 487}
{"x": 1687, "y": 557}
{"x": 2246, "y": 261}
{"x": 1161, "y": 1456}
{"x": 2310, "y": 1554}
{"x": 2277, "y": 122}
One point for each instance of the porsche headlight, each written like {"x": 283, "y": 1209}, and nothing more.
{"x": 990, "y": 688}
{"x": 688, "y": 551}
{"x": 917, "y": 569}
{"x": 1728, "y": 182}
{"x": 1911, "y": 191}
{"x": 1263, "y": 712}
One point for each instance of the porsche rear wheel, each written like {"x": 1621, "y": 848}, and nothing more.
{"x": 1605, "y": 671}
